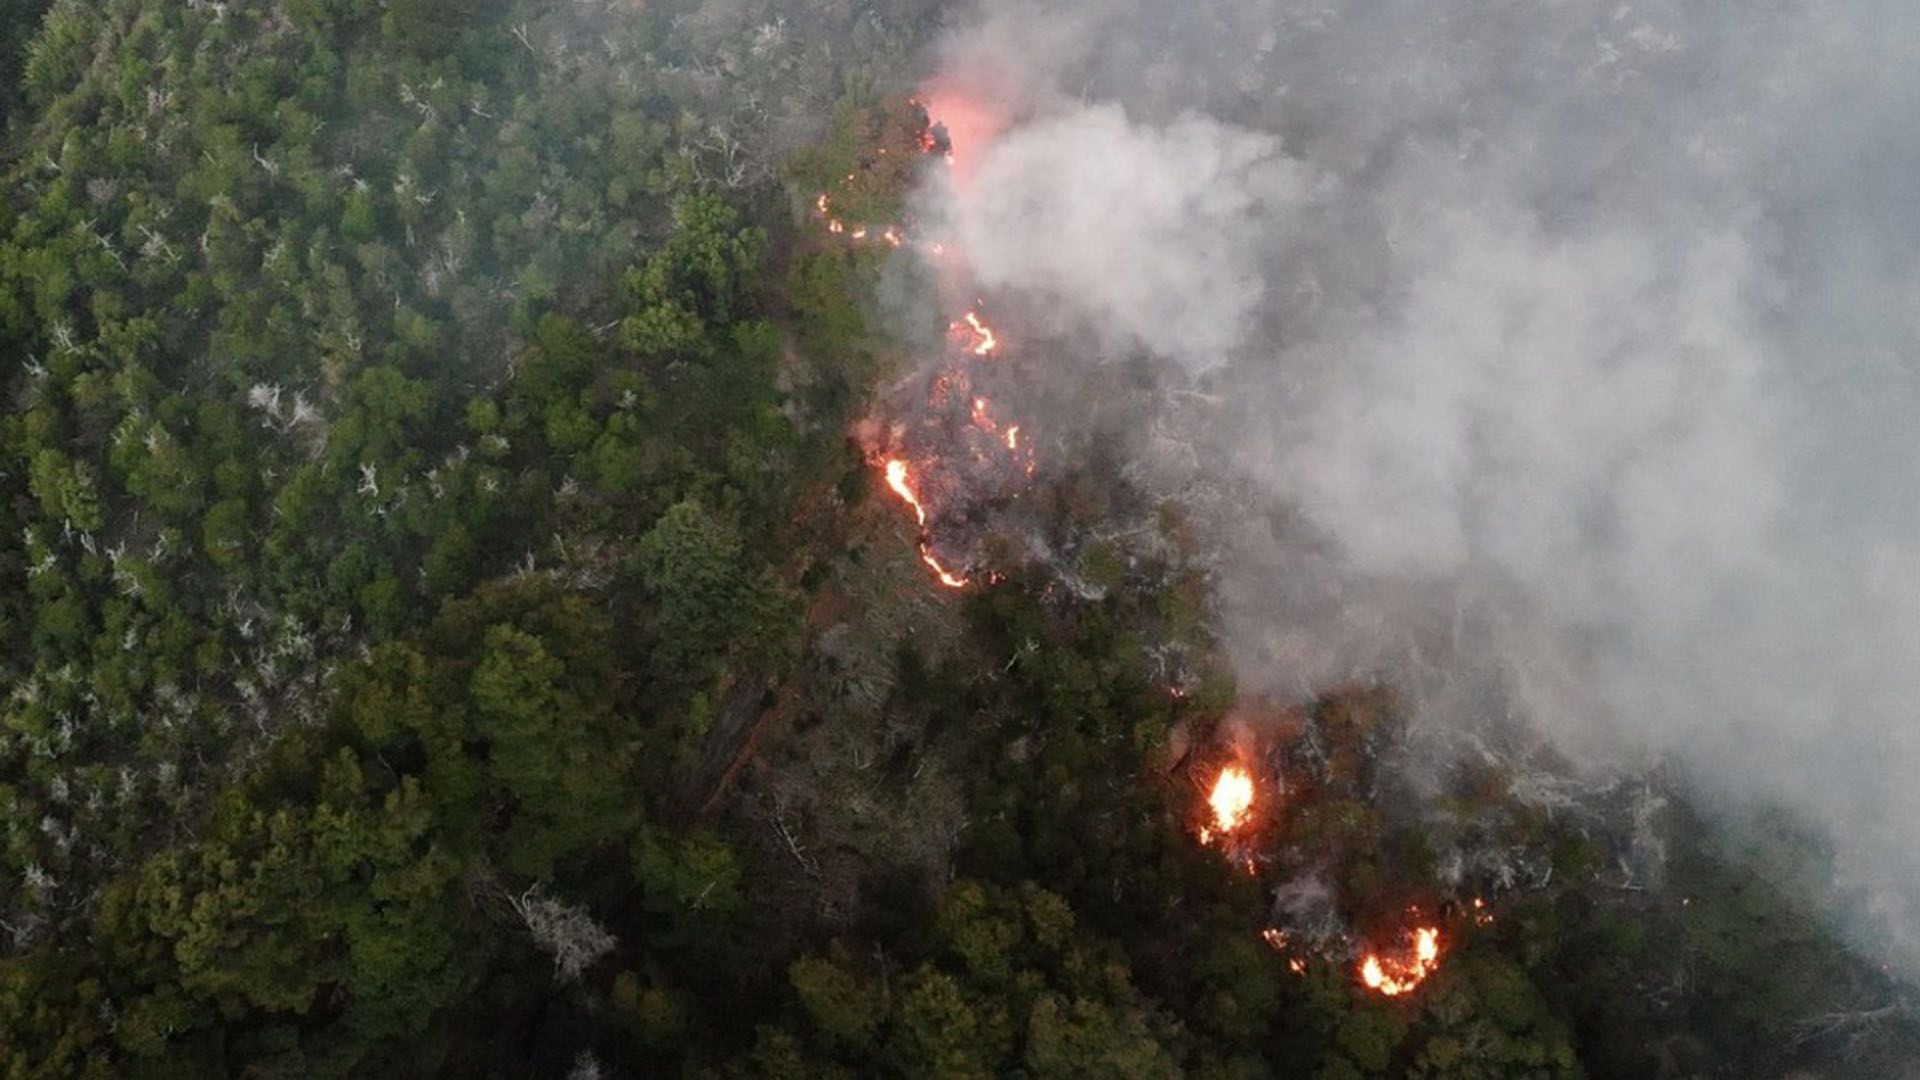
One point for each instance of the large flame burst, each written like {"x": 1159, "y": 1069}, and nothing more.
{"x": 1231, "y": 801}
{"x": 1395, "y": 974}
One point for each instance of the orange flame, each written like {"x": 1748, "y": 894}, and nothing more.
{"x": 984, "y": 341}
{"x": 900, "y": 480}
{"x": 1231, "y": 800}
{"x": 1278, "y": 940}
{"x": 946, "y": 577}
{"x": 1395, "y": 975}
{"x": 897, "y": 479}
{"x": 981, "y": 418}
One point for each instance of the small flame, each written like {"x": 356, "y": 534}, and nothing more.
{"x": 1231, "y": 800}
{"x": 946, "y": 577}
{"x": 984, "y": 341}
{"x": 1393, "y": 976}
{"x": 1277, "y": 938}
{"x": 898, "y": 480}
{"x": 1013, "y": 437}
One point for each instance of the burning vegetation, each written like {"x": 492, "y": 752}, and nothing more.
{"x": 1231, "y": 802}
{"x": 1326, "y": 759}
{"x": 951, "y": 442}
{"x": 979, "y": 337}
{"x": 900, "y": 482}
{"x": 1395, "y": 973}
{"x": 945, "y": 446}
{"x": 949, "y": 450}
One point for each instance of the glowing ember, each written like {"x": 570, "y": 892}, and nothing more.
{"x": 1396, "y": 975}
{"x": 1231, "y": 800}
{"x": 1274, "y": 937}
{"x": 1013, "y": 437}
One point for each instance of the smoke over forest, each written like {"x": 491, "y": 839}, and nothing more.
{"x": 1091, "y": 538}
{"x": 1586, "y": 326}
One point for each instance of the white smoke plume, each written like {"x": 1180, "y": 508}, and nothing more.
{"x": 1039, "y": 218}
{"x": 1602, "y": 317}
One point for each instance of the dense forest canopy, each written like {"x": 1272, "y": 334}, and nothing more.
{"x": 449, "y": 628}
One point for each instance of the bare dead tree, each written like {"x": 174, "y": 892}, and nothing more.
{"x": 566, "y": 932}
{"x": 1851, "y": 1026}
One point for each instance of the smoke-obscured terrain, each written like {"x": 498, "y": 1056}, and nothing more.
{"x": 1590, "y": 325}
{"x": 794, "y": 538}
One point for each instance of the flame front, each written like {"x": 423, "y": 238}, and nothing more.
{"x": 1395, "y": 975}
{"x": 900, "y": 480}
{"x": 971, "y": 338}
{"x": 897, "y": 479}
{"x": 1231, "y": 800}
{"x": 983, "y": 340}
{"x": 945, "y": 576}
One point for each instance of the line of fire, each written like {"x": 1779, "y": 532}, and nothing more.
{"x": 955, "y": 448}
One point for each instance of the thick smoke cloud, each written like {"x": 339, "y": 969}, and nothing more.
{"x": 1196, "y": 195}
{"x": 1602, "y": 318}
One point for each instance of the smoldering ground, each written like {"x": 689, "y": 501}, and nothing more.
{"x": 1591, "y": 326}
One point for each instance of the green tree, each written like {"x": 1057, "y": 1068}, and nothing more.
{"x": 691, "y": 563}
{"x": 67, "y": 489}
{"x": 548, "y": 748}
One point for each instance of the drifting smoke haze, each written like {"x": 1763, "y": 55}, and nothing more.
{"x": 1594, "y": 320}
